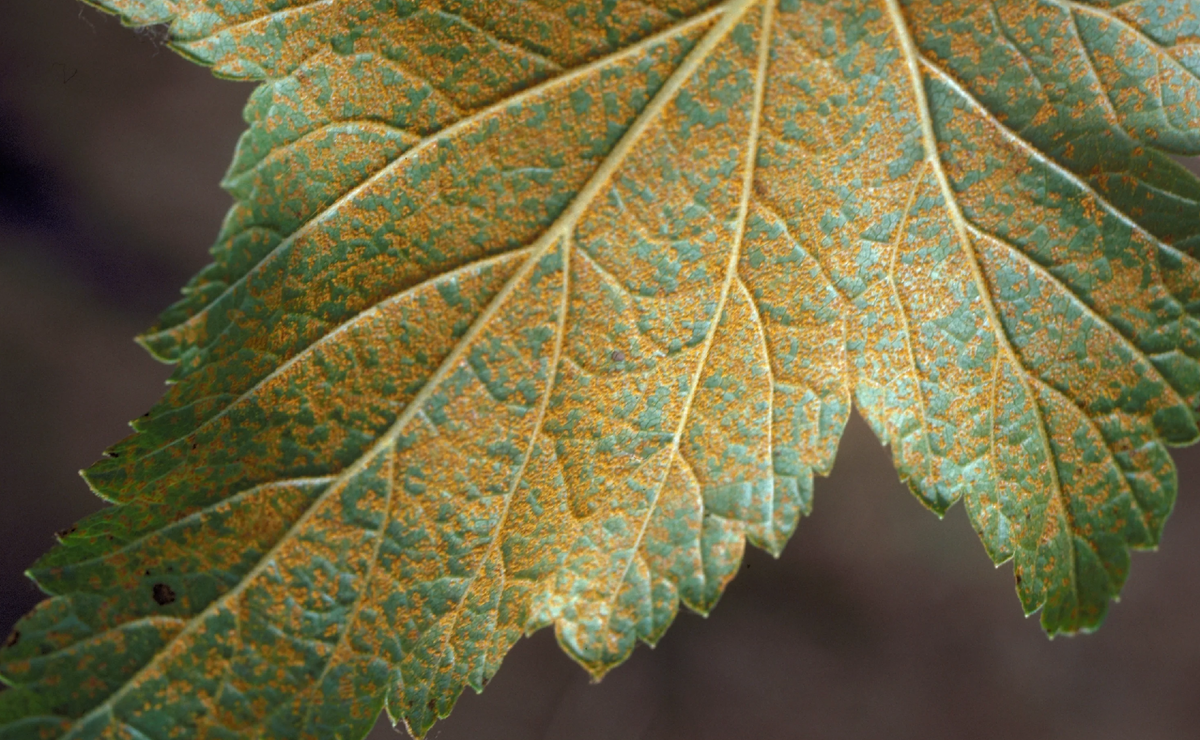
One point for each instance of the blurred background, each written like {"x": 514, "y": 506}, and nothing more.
{"x": 878, "y": 619}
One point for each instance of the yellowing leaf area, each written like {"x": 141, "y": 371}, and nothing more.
{"x": 532, "y": 312}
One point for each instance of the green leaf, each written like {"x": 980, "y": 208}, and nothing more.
{"x": 530, "y": 314}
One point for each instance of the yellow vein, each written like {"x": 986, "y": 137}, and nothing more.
{"x": 365, "y": 580}
{"x": 435, "y": 99}
{"x": 1070, "y": 5}
{"x": 195, "y": 515}
{"x": 809, "y": 251}
{"x": 1002, "y": 29}
{"x": 560, "y": 331}
{"x": 1042, "y": 157}
{"x": 1077, "y": 182}
{"x": 761, "y": 330}
{"x": 352, "y": 126}
{"x": 493, "y": 36}
{"x": 929, "y": 140}
{"x": 993, "y": 395}
{"x": 1105, "y": 95}
{"x": 271, "y": 16}
{"x": 905, "y": 325}
{"x": 152, "y": 621}
{"x": 454, "y": 129}
{"x": 736, "y": 11}
{"x": 1108, "y": 448}
{"x": 1087, "y": 310}
{"x": 564, "y": 223}
{"x": 342, "y": 328}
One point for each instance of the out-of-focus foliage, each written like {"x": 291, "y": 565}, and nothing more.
{"x": 531, "y": 313}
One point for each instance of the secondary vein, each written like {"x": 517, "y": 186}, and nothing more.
{"x": 929, "y": 140}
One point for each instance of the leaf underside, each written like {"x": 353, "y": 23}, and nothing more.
{"x": 532, "y": 313}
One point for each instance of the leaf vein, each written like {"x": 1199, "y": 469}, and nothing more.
{"x": 1083, "y": 305}
{"x": 905, "y": 324}
{"x": 736, "y": 10}
{"x": 462, "y": 124}
{"x": 912, "y": 60}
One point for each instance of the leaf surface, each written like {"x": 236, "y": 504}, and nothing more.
{"x": 531, "y": 314}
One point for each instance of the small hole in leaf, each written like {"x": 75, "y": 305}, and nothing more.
{"x": 618, "y": 356}
{"x": 163, "y": 594}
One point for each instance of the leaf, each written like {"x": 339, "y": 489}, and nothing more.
{"x": 529, "y": 314}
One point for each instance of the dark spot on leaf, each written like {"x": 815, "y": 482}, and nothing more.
{"x": 66, "y": 532}
{"x": 145, "y": 572}
{"x": 432, "y": 704}
{"x": 13, "y": 638}
{"x": 618, "y": 356}
{"x": 163, "y": 594}
{"x": 1018, "y": 580}
{"x": 195, "y": 445}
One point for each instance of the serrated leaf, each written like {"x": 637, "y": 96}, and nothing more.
{"x": 531, "y": 314}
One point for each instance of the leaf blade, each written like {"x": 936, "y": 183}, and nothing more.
{"x": 579, "y": 375}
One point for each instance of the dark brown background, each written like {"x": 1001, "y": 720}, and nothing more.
{"x": 878, "y": 620}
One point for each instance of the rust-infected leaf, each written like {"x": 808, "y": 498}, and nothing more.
{"x": 532, "y": 314}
